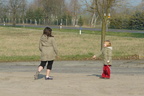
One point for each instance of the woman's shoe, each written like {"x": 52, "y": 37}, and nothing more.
{"x": 48, "y": 78}
{"x": 36, "y": 75}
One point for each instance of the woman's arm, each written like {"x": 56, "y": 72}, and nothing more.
{"x": 54, "y": 46}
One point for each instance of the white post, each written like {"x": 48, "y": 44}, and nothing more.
{"x": 60, "y": 26}
{"x": 35, "y": 22}
{"x": 80, "y": 32}
{"x": 4, "y": 23}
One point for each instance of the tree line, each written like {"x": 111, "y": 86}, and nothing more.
{"x": 129, "y": 17}
{"x": 122, "y": 15}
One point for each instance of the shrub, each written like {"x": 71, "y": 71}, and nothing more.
{"x": 137, "y": 21}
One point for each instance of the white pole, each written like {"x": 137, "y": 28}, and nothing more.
{"x": 80, "y": 31}
{"x": 35, "y": 22}
{"x": 4, "y": 23}
{"x": 60, "y": 26}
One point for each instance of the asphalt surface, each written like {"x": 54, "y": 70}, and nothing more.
{"x": 92, "y": 29}
{"x": 127, "y": 67}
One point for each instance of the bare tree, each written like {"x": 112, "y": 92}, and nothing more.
{"x": 52, "y": 8}
{"x": 1, "y": 7}
{"x": 23, "y": 8}
{"x": 140, "y": 6}
{"x": 92, "y": 9}
{"x": 103, "y": 8}
{"x": 3, "y": 10}
{"x": 15, "y": 7}
{"x": 75, "y": 10}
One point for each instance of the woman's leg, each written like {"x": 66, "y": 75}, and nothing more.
{"x": 42, "y": 65}
{"x": 48, "y": 73}
{"x": 49, "y": 68}
{"x": 40, "y": 68}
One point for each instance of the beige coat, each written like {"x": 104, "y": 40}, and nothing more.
{"x": 106, "y": 55}
{"x": 48, "y": 48}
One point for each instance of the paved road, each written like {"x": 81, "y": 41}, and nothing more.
{"x": 128, "y": 67}
{"x": 92, "y": 29}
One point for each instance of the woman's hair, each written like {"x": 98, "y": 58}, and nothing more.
{"x": 108, "y": 43}
{"x": 48, "y": 31}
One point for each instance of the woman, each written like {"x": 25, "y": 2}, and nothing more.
{"x": 48, "y": 48}
{"x": 107, "y": 57}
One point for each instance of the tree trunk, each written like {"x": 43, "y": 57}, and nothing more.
{"x": 14, "y": 19}
{"x": 103, "y": 32}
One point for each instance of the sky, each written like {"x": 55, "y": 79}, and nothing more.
{"x": 135, "y": 2}
{"x": 132, "y": 2}
{"x": 30, "y": 1}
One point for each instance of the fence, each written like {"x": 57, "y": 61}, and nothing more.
{"x": 66, "y": 22}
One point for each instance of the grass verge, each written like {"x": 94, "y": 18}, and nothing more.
{"x": 21, "y": 44}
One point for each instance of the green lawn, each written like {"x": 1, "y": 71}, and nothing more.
{"x": 21, "y": 44}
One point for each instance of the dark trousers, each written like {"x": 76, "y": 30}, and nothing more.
{"x": 49, "y": 65}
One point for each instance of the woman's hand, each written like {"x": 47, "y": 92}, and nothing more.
{"x": 57, "y": 57}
